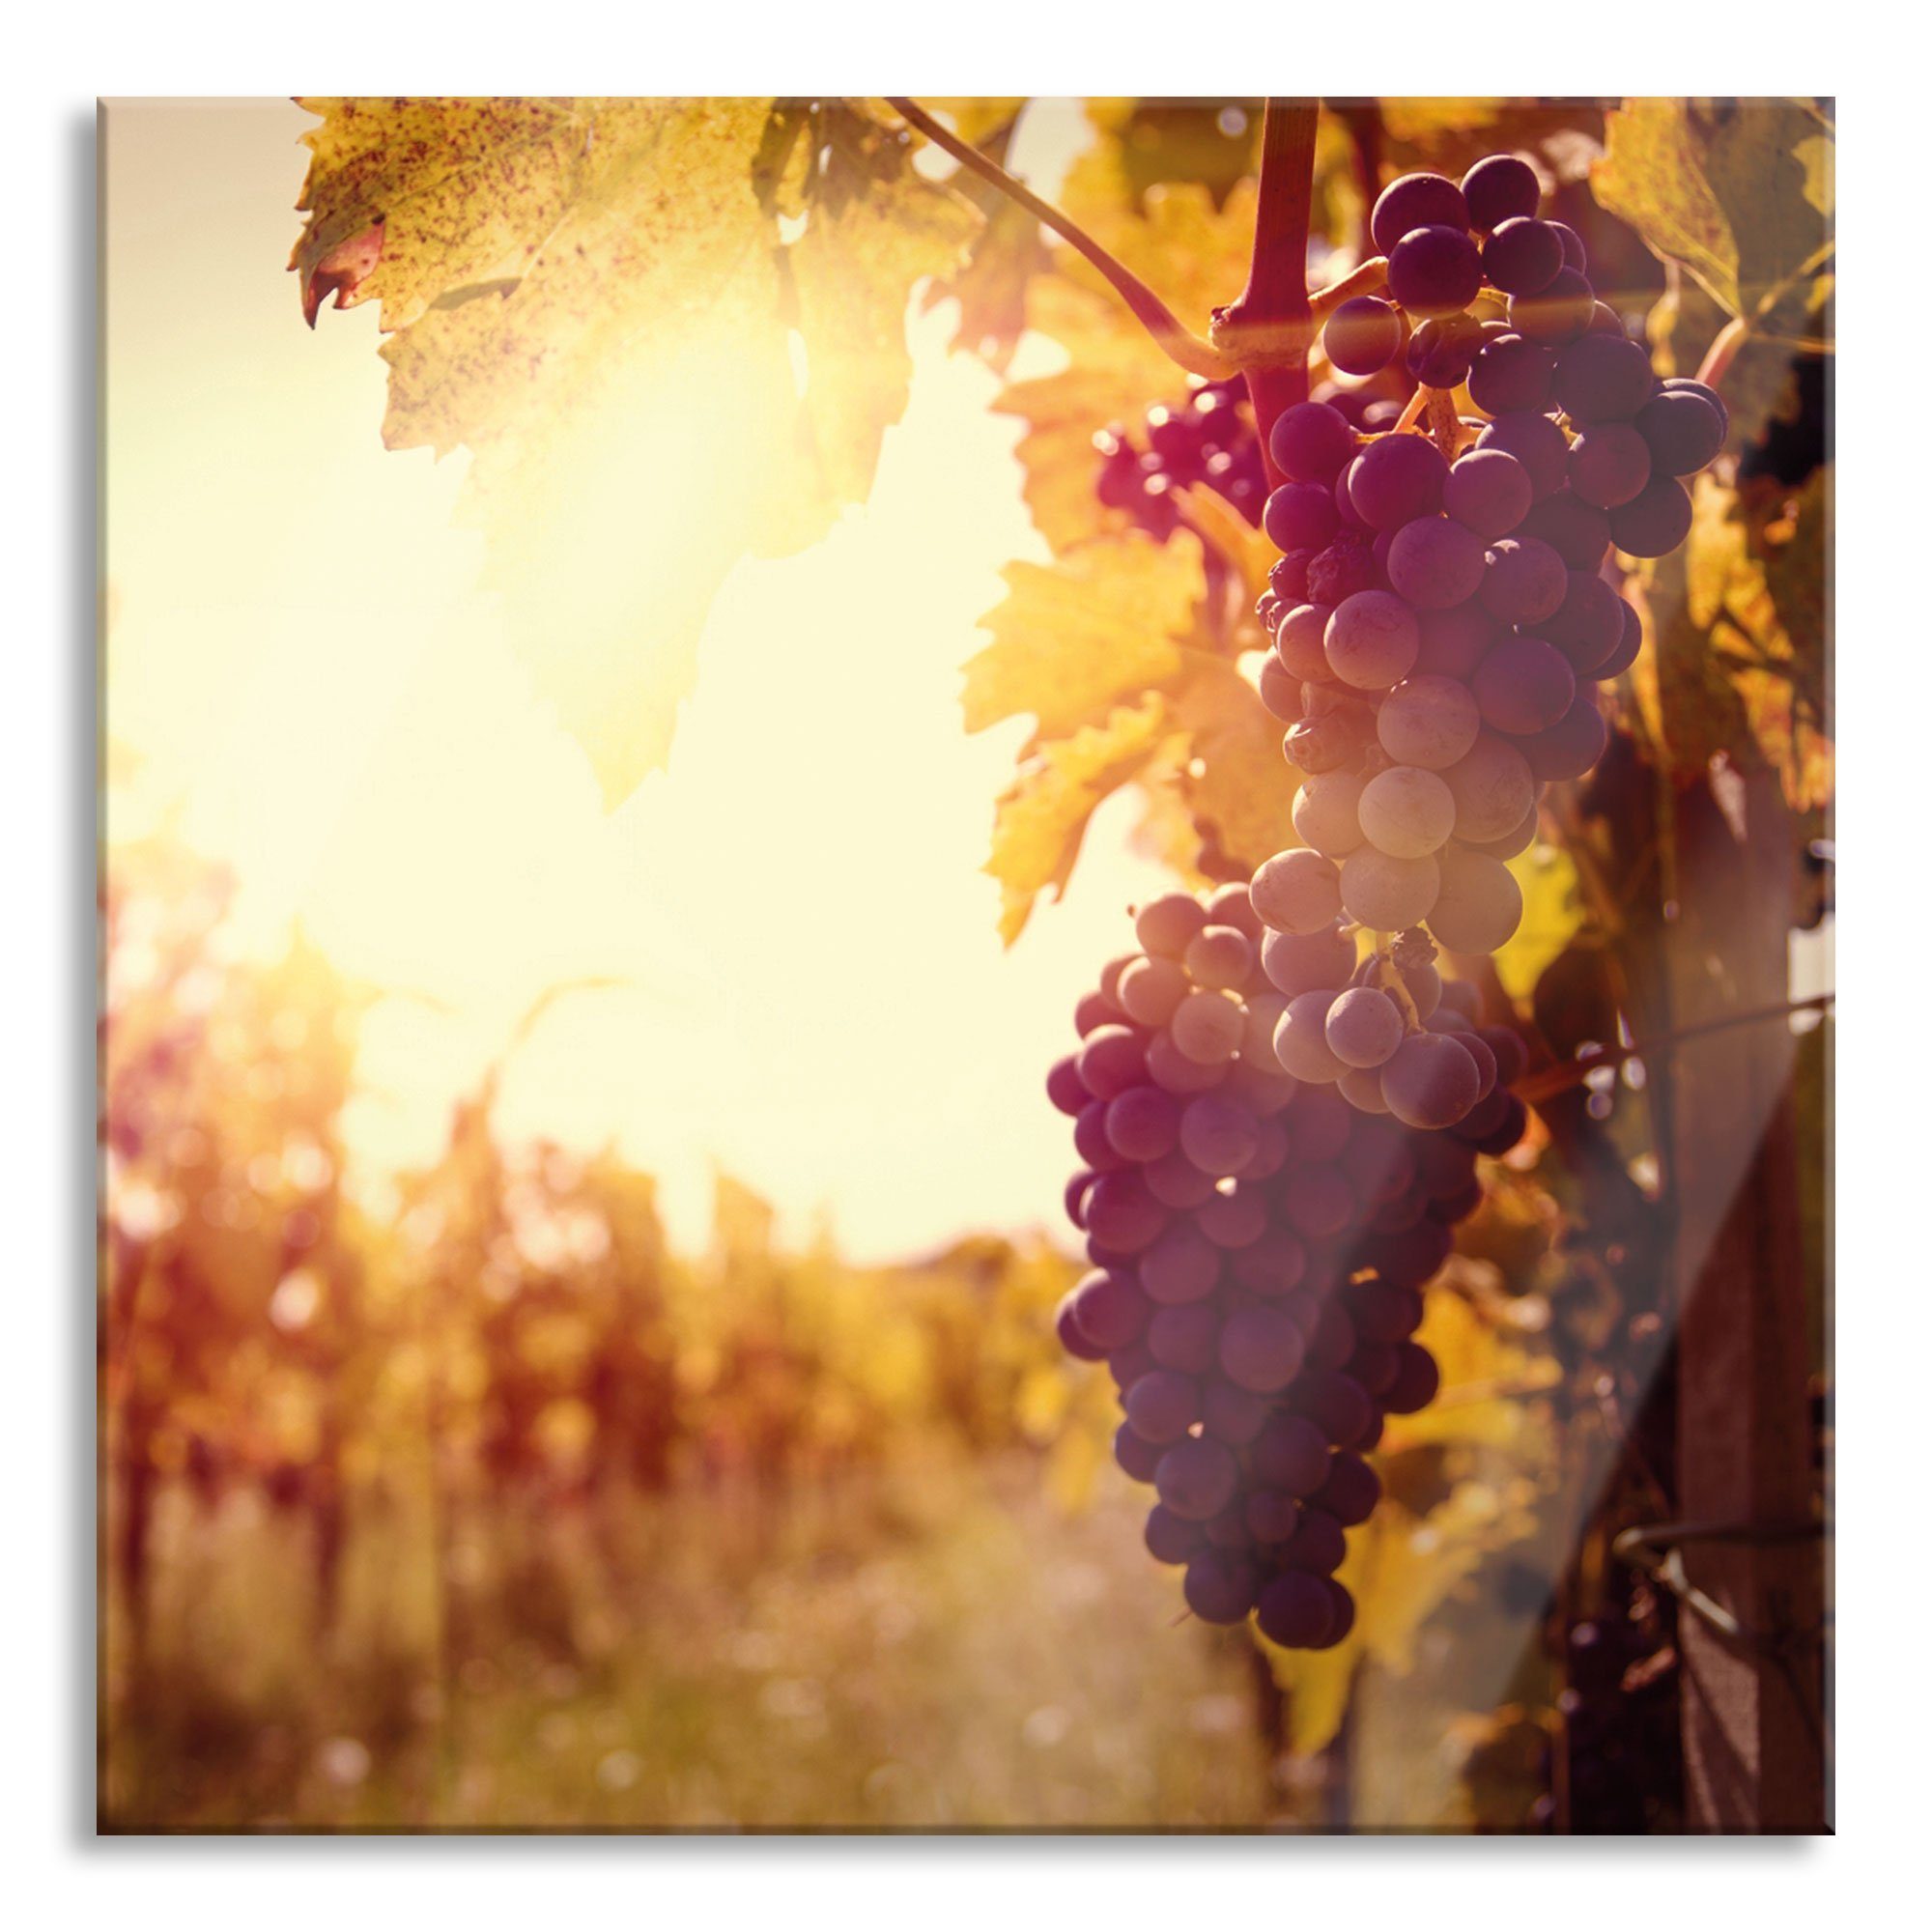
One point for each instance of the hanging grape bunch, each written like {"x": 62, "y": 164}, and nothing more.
{"x": 1259, "y": 1253}
{"x": 1440, "y": 619}
{"x": 1210, "y": 439}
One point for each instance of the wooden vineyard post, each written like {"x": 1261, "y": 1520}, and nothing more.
{"x": 1746, "y": 1542}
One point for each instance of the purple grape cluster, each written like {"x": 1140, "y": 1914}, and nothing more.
{"x": 1209, "y": 439}
{"x": 1259, "y": 1253}
{"x": 1442, "y": 619}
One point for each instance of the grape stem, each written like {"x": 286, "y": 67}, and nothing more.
{"x": 1174, "y": 337}
{"x": 1561, "y": 1078}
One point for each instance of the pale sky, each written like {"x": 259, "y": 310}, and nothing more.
{"x": 816, "y": 995}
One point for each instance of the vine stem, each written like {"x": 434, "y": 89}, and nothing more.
{"x": 1560, "y": 1079}
{"x": 1180, "y": 342}
{"x": 1269, "y": 326}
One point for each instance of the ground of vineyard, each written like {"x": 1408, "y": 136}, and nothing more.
{"x": 937, "y": 1648}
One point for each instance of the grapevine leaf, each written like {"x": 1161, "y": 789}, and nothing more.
{"x": 1739, "y": 193}
{"x": 1236, "y": 782}
{"x": 1043, "y": 815}
{"x": 1552, "y": 911}
{"x": 1107, "y": 620}
{"x": 670, "y": 333}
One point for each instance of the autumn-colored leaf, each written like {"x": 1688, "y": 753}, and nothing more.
{"x": 1739, "y": 191}
{"x": 670, "y": 333}
{"x": 1042, "y": 816}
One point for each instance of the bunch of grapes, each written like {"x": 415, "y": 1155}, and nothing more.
{"x": 1441, "y": 617}
{"x": 1210, "y": 439}
{"x": 1258, "y": 1252}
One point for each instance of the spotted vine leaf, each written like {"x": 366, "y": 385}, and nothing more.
{"x": 670, "y": 333}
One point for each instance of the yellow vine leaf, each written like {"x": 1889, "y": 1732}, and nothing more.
{"x": 1553, "y": 910}
{"x": 1236, "y": 781}
{"x": 1106, "y": 621}
{"x": 1739, "y": 191}
{"x": 670, "y": 333}
{"x": 1042, "y": 816}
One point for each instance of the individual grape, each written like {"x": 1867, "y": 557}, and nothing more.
{"x": 1499, "y": 189}
{"x": 1234, "y": 1221}
{"x": 1295, "y": 1609}
{"x": 1511, "y": 1056}
{"x": 1523, "y": 257}
{"x": 1470, "y": 1041}
{"x": 1579, "y": 532}
{"x": 1094, "y": 1011}
{"x": 1588, "y": 625}
{"x": 1310, "y": 442}
{"x": 1230, "y": 1415}
{"x": 1624, "y": 652}
{"x": 1341, "y": 1617}
{"x": 1371, "y": 640}
{"x": 1122, "y": 1215}
{"x": 1336, "y": 1404}
{"x": 1512, "y": 373}
{"x": 1141, "y": 1123}
{"x": 1442, "y": 348}
{"x": 1206, "y": 1026}
{"x": 1489, "y": 493}
{"x": 1089, "y": 1139}
{"x": 1571, "y": 745}
{"x": 1429, "y": 1082}
{"x": 1559, "y": 311}
{"x": 1343, "y": 568}
{"x": 1302, "y": 962}
{"x": 1183, "y": 1266}
{"x": 1609, "y": 464}
{"x": 1135, "y": 1454}
{"x": 1602, "y": 379}
{"x": 1151, "y": 988}
{"x": 1364, "y": 1027}
{"x": 1404, "y": 813}
{"x": 1228, "y": 1532}
{"x": 1524, "y": 581}
{"x": 1524, "y": 685}
{"x": 1288, "y": 580}
{"x": 1416, "y": 1380}
{"x": 1228, "y": 905}
{"x": 1175, "y": 1181}
{"x": 1071, "y": 1337}
{"x": 1425, "y": 987}
{"x": 1271, "y": 1515}
{"x": 1220, "y": 1586}
{"x": 1299, "y": 516}
{"x": 1536, "y": 442}
{"x": 1324, "y": 812}
{"x": 1174, "y": 1073}
{"x": 1416, "y": 201}
{"x": 1171, "y": 1538}
{"x": 1430, "y": 722}
{"x": 1452, "y": 642}
{"x": 1111, "y": 1060}
{"x": 1110, "y": 1309}
{"x": 1351, "y": 1491}
{"x": 1161, "y": 1406}
{"x": 1512, "y": 843}
{"x": 1220, "y": 958}
{"x": 1655, "y": 521}
{"x": 1492, "y": 788}
{"x": 1297, "y": 640}
{"x": 1479, "y": 907}
{"x": 1291, "y": 1454}
{"x": 1296, "y": 891}
{"x": 1217, "y": 1136}
{"x": 1362, "y": 337}
{"x": 1387, "y": 894}
{"x": 1435, "y": 564}
{"x": 1260, "y": 1349}
{"x": 1197, "y": 1478}
{"x": 1362, "y": 1088}
{"x": 1574, "y": 255}
{"x": 1396, "y": 479}
{"x": 1682, "y": 383}
{"x": 1165, "y": 925}
{"x": 1274, "y": 1264}
{"x": 1301, "y": 1039}
{"x": 1325, "y": 744}
{"x": 1064, "y": 1087}
{"x": 1183, "y": 1339}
